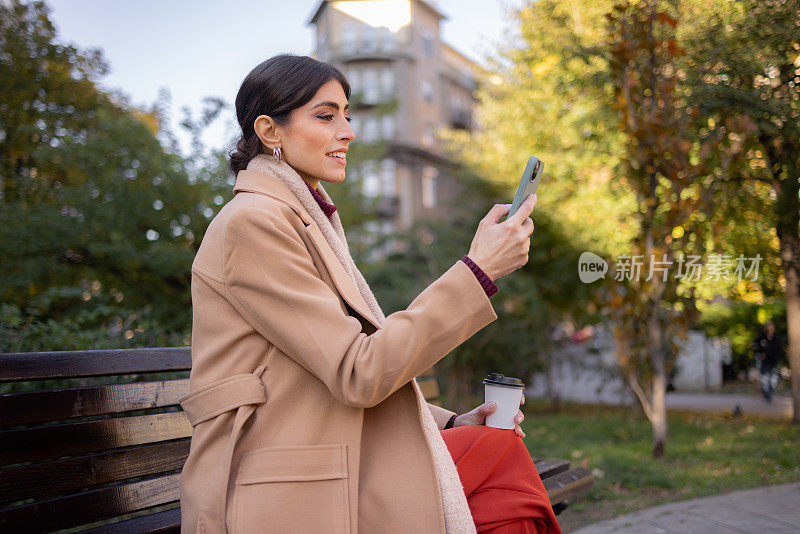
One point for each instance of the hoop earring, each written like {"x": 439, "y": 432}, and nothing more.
{"x": 276, "y": 153}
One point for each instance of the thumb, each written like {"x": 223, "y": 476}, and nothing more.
{"x": 490, "y": 407}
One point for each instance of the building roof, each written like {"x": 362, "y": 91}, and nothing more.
{"x": 323, "y": 3}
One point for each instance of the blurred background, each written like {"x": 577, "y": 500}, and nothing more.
{"x": 670, "y": 133}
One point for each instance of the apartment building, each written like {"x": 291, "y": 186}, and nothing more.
{"x": 391, "y": 52}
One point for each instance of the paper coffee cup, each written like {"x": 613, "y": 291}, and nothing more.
{"x": 506, "y": 391}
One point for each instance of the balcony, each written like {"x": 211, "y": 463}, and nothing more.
{"x": 460, "y": 77}
{"x": 357, "y": 50}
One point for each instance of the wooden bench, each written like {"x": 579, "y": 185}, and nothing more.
{"x": 104, "y": 453}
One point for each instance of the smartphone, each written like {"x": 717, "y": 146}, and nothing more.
{"x": 528, "y": 183}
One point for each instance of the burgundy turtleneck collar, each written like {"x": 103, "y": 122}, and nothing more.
{"x": 327, "y": 208}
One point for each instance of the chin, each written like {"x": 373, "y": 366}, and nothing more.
{"x": 335, "y": 179}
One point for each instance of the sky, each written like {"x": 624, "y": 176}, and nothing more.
{"x": 204, "y": 48}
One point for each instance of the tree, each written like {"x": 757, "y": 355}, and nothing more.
{"x": 91, "y": 203}
{"x": 745, "y": 69}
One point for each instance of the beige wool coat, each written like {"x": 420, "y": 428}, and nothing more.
{"x": 304, "y": 411}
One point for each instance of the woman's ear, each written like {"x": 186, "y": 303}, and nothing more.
{"x": 267, "y": 131}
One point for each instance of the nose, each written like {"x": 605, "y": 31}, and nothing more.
{"x": 347, "y": 133}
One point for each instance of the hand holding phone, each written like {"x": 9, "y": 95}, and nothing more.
{"x": 499, "y": 248}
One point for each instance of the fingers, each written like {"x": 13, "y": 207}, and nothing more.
{"x": 518, "y": 419}
{"x": 497, "y": 212}
{"x": 527, "y": 226}
{"x": 523, "y": 400}
{"x": 524, "y": 210}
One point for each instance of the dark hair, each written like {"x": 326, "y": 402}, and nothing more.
{"x": 276, "y": 87}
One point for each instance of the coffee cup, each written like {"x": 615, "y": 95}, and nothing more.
{"x": 506, "y": 391}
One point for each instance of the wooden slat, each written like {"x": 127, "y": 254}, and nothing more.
{"x": 20, "y": 366}
{"x": 52, "y": 441}
{"x": 62, "y": 477}
{"x": 91, "y": 506}
{"x": 166, "y": 522}
{"x": 569, "y": 484}
{"x": 53, "y": 405}
{"x": 549, "y": 467}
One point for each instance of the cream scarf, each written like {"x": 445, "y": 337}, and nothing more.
{"x": 457, "y": 516}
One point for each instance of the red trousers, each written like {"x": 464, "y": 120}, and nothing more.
{"x": 503, "y": 488}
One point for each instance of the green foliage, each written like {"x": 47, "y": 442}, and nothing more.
{"x": 89, "y": 196}
{"x": 90, "y": 319}
{"x": 547, "y": 93}
{"x": 741, "y": 322}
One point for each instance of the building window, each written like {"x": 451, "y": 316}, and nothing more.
{"x": 349, "y": 37}
{"x": 370, "y": 86}
{"x": 388, "y": 168}
{"x": 387, "y": 126}
{"x": 429, "y": 178}
{"x": 370, "y": 126}
{"x": 370, "y": 179}
{"x": 354, "y": 79}
{"x": 427, "y": 89}
{"x": 379, "y": 230}
{"x": 458, "y": 101}
{"x": 369, "y": 38}
{"x": 427, "y": 43}
{"x": 387, "y": 81}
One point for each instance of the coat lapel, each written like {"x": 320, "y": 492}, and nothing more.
{"x": 261, "y": 183}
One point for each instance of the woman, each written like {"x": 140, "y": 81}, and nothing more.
{"x": 306, "y": 416}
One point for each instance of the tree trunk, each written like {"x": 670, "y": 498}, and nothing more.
{"x": 552, "y": 392}
{"x": 793, "y": 326}
{"x": 790, "y": 249}
{"x": 659, "y": 399}
{"x": 788, "y": 218}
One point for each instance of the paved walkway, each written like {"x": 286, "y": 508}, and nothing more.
{"x": 749, "y": 404}
{"x": 781, "y": 406}
{"x": 770, "y": 510}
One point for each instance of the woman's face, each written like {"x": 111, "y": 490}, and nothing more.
{"x": 315, "y": 132}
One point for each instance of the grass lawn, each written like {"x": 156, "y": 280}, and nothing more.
{"x": 706, "y": 454}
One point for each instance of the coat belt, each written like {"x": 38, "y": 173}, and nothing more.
{"x": 242, "y": 393}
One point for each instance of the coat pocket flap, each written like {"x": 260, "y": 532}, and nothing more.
{"x": 293, "y": 463}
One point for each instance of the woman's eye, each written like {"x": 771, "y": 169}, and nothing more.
{"x": 329, "y": 117}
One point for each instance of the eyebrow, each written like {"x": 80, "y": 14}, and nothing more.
{"x": 334, "y": 105}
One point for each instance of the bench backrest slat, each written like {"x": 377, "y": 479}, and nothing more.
{"x": 40, "y": 406}
{"x": 69, "y": 364}
{"x": 51, "y": 441}
{"x": 90, "y": 506}
{"x": 60, "y": 477}
{"x": 164, "y": 522}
